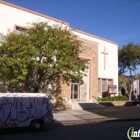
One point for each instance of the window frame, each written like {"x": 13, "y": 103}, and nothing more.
{"x": 100, "y": 81}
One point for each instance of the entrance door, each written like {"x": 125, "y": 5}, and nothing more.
{"x": 83, "y": 92}
{"x": 74, "y": 91}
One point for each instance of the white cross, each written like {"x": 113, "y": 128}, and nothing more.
{"x": 105, "y": 53}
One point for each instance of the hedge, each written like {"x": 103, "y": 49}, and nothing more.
{"x": 115, "y": 98}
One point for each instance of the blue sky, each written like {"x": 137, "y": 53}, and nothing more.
{"x": 116, "y": 20}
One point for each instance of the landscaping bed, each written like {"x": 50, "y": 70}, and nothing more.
{"x": 115, "y": 101}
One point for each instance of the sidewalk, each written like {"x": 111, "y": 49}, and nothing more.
{"x": 75, "y": 117}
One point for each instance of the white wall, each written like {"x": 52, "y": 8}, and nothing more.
{"x": 111, "y": 70}
{"x": 9, "y": 16}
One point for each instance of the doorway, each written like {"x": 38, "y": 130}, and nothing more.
{"x": 74, "y": 91}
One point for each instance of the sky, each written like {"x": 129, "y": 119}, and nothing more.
{"x": 115, "y": 20}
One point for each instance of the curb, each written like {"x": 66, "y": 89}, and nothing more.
{"x": 83, "y": 122}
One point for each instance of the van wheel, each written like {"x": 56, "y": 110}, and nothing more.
{"x": 37, "y": 126}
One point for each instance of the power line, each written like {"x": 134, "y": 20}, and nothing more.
{"x": 91, "y": 14}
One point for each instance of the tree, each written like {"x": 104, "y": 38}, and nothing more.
{"x": 40, "y": 54}
{"x": 129, "y": 59}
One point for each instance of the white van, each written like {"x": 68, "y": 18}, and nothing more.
{"x": 24, "y": 109}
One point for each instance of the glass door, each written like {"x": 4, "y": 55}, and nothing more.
{"x": 74, "y": 91}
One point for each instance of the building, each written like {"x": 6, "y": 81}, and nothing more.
{"x": 136, "y": 87}
{"x": 100, "y": 53}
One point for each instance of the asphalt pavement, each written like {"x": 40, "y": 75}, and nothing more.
{"x": 75, "y": 117}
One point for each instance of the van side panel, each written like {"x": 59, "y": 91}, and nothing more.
{"x": 18, "y": 109}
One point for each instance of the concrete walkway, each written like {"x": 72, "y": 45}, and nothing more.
{"x": 74, "y": 117}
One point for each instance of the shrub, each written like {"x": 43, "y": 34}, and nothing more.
{"x": 115, "y": 98}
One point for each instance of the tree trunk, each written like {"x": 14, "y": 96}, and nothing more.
{"x": 58, "y": 91}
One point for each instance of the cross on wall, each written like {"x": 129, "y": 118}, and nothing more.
{"x": 105, "y": 53}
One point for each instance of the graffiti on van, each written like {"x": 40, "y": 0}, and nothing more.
{"x": 22, "y": 108}
{"x": 9, "y": 125}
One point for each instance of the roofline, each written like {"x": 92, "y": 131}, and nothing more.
{"x": 91, "y": 35}
{"x": 54, "y": 19}
{"x": 33, "y": 12}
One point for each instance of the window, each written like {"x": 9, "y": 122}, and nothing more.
{"x": 110, "y": 82}
{"x": 19, "y": 29}
{"x": 103, "y": 85}
{"x": 99, "y": 85}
